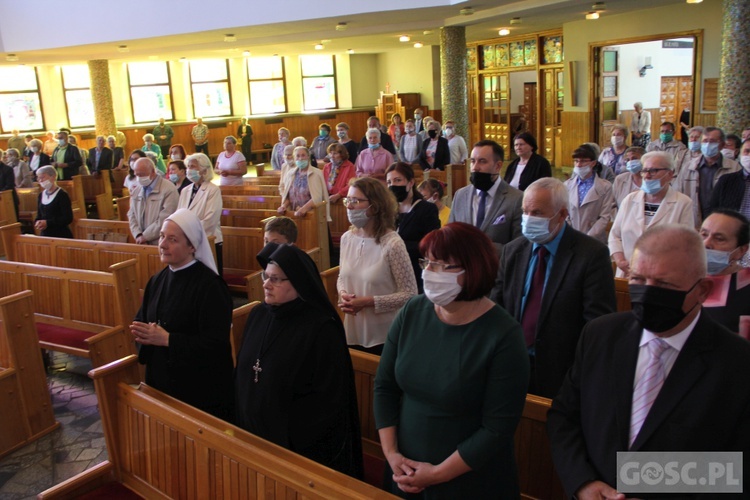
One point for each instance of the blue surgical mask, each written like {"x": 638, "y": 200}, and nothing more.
{"x": 634, "y": 166}
{"x": 710, "y": 149}
{"x": 173, "y": 178}
{"x": 373, "y": 146}
{"x": 651, "y": 186}
{"x": 194, "y": 176}
{"x": 536, "y": 229}
{"x": 302, "y": 164}
{"x": 716, "y": 261}
{"x": 694, "y": 145}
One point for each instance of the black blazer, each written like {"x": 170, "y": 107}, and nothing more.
{"x": 536, "y": 168}
{"x": 44, "y": 159}
{"x": 414, "y": 226}
{"x": 442, "y": 154}
{"x": 580, "y": 287}
{"x": 729, "y": 191}
{"x": 704, "y": 404}
{"x": 72, "y": 160}
{"x": 385, "y": 141}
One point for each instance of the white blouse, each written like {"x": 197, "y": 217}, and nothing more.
{"x": 229, "y": 163}
{"x": 382, "y": 271}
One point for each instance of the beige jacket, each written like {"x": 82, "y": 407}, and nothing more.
{"x": 146, "y": 215}
{"x": 207, "y": 205}
{"x": 315, "y": 183}
{"x": 593, "y": 215}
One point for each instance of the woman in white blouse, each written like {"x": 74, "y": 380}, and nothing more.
{"x": 640, "y": 126}
{"x": 231, "y": 164}
{"x": 375, "y": 277}
{"x": 204, "y": 199}
{"x": 410, "y": 145}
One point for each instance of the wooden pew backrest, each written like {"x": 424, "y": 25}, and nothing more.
{"x": 622, "y": 294}
{"x": 239, "y": 319}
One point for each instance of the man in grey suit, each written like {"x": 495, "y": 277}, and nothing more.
{"x": 489, "y": 203}
{"x": 575, "y": 283}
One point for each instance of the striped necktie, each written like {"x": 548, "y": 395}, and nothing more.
{"x": 648, "y": 386}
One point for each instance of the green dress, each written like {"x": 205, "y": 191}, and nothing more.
{"x": 449, "y": 388}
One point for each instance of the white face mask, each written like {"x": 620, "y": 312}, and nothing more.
{"x": 144, "y": 181}
{"x": 728, "y": 153}
{"x": 357, "y": 216}
{"x": 745, "y": 162}
{"x": 618, "y": 140}
{"x": 177, "y": 157}
{"x": 441, "y": 288}
{"x": 35, "y": 149}
{"x": 448, "y": 132}
{"x": 46, "y": 185}
{"x": 582, "y": 172}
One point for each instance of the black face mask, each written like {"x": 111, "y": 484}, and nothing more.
{"x": 658, "y": 309}
{"x": 399, "y": 192}
{"x": 432, "y": 133}
{"x": 482, "y": 180}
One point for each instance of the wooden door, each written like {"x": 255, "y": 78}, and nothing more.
{"x": 530, "y": 107}
{"x": 475, "y": 112}
{"x": 550, "y": 113}
{"x": 608, "y": 92}
{"x": 676, "y": 93}
{"x": 496, "y": 108}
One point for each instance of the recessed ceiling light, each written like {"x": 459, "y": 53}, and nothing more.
{"x": 515, "y": 20}
{"x": 418, "y": 45}
{"x": 404, "y": 38}
{"x": 123, "y": 48}
{"x": 466, "y": 12}
{"x": 427, "y": 32}
{"x": 592, "y": 15}
{"x": 350, "y": 51}
{"x": 183, "y": 59}
{"x": 246, "y": 53}
{"x": 599, "y": 7}
{"x": 319, "y": 46}
{"x": 229, "y": 37}
{"x": 504, "y": 32}
{"x": 11, "y": 58}
{"x": 341, "y": 27}
{"x": 694, "y": 1}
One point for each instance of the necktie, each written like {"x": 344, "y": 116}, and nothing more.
{"x": 482, "y": 208}
{"x": 533, "y": 306}
{"x": 648, "y": 386}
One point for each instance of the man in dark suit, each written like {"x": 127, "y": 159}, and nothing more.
{"x": 100, "y": 158}
{"x": 578, "y": 283}
{"x": 732, "y": 189}
{"x": 489, "y": 203}
{"x": 663, "y": 377}
{"x": 385, "y": 139}
{"x": 66, "y": 157}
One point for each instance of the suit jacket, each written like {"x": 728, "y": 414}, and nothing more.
{"x": 729, "y": 191}
{"x": 502, "y": 221}
{"x": 44, "y": 160}
{"x": 580, "y": 287}
{"x": 597, "y": 210}
{"x": 688, "y": 182}
{"x": 73, "y": 161}
{"x": 442, "y": 154}
{"x": 536, "y": 168}
{"x": 704, "y": 404}
{"x": 106, "y": 158}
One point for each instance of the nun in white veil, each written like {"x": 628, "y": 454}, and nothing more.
{"x": 183, "y": 326}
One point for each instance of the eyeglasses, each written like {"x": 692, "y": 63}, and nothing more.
{"x": 581, "y": 160}
{"x": 438, "y": 267}
{"x": 653, "y": 171}
{"x": 275, "y": 280}
{"x": 354, "y": 201}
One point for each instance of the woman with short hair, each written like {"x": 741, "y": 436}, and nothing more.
{"x": 231, "y": 164}
{"x": 54, "y": 211}
{"x": 178, "y": 174}
{"x": 150, "y": 146}
{"x": 338, "y": 172}
{"x": 37, "y": 157}
{"x": 529, "y": 165}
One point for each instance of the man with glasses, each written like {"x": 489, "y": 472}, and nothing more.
{"x": 698, "y": 178}
{"x": 655, "y": 203}
{"x": 667, "y": 142}
{"x": 553, "y": 281}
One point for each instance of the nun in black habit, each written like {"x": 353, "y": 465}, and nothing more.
{"x": 294, "y": 380}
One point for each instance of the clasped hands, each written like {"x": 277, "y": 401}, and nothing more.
{"x": 149, "y": 334}
{"x": 412, "y": 476}
{"x": 349, "y": 303}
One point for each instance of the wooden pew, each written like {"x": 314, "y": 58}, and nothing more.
{"x": 160, "y": 447}
{"x": 119, "y": 181}
{"x": 88, "y": 186}
{"x": 622, "y": 294}
{"x": 339, "y": 222}
{"x": 241, "y": 245}
{"x": 92, "y": 255}
{"x": 330, "y": 277}
{"x": 28, "y": 204}
{"x": 267, "y": 202}
{"x": 123, "y": 207}
{"x": 24, "y": 397}
{"x": 86, "y": 229}
{"x": 454, "y": 177}
{"x": 239, "y": 320}
{"x": 78, "y": 312}
{"x": 70, "y": 189}
{"x": 537, "y": 476}
{"x": 250, "y": 189}
{"x": 7, "y": 207}
{"x": 105, "y": 207}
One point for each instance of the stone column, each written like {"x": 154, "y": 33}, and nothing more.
{"x": 734, "y": 81}
{"x": 454, "y": 97}
{"x": 101, "y": 94}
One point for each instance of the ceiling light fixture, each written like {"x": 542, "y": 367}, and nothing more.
{"x": 404, "y": 38}
{"x": 418, "y": 45}
{"x": 350, "y": 51}
{"x": 123, "y": 48}
{"x": 504, "y": 32}
{"x": 599, "y": 7}
{"x": 11, "y": 58}
{"x": 319, "y": 46}
{"x": 183, "y": 59}
{"x": 230, "y": 38}
{"x": 515, "y": 20}
{"x": 694, "y": 1}
{"x": 592, "y": 15}
{"x": 341, "y": 27}
{"x": 466, "y": 11}
{"x": 246, "y": 53}
{"x": 427, "y": 32}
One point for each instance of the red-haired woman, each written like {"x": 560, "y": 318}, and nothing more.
{"x": 452, "y": 379}
{"x": 177, "y": 152}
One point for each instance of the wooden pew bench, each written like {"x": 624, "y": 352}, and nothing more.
{"x": 241, "y": 245}
{"x": 81, "y": 253}
{"x": 250, "y": 189}
{"x": 24, "y": 397}
{"x": 160, "y": 447}
{"x": 28, "y": 205}
{"x": 88, "y": 229}
{"x": 268, "y": 202}
{"x": 454, "y": 177}
{"x": 78, "y": 312}
{"x": 622, "y": 294}
{"x": 537, "y": 476}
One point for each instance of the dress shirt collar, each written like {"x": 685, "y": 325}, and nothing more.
{"x": 491, "y": 192}
{"x": 676, "y": 341}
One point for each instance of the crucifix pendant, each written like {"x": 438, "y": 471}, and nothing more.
{"x": 257, "y": 369}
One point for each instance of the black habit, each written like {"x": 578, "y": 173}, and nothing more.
{"x": 294, "y": 379}
{"x": 194, "y": 306}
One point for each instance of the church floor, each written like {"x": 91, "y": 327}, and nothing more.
{"x": 75, "y": 446}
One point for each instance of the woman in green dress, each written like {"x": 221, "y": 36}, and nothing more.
{"x": 451, "y": 383}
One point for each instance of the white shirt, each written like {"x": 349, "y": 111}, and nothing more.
{"x": 224, "y": 162}
{"x": 409, "y": 153}
{"x": 517, "y": 176}
{"x": 457, "y": 146}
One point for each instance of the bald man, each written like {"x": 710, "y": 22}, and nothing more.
{"x": 151, "y": 203}
{"x": 693, "y": 395}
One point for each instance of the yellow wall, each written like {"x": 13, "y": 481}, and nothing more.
{"x": 680, "y": 17}
{"x": 412, "y": 70}
{"x": 365, "y": 80}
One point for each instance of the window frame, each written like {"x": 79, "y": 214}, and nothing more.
{"x": 65, "y": 98}
{"x": 250, "y": 81}
{"x": 229, "y": 90}
{"x": 131, "y": 86}
{"x": 333, "y": 76}
{"x": 29, "y": 91}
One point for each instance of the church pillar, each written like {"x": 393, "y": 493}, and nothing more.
{"x": 734, "y": 82}
{"x": 454, "y": 98}
{"x": 101, "y": 94}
